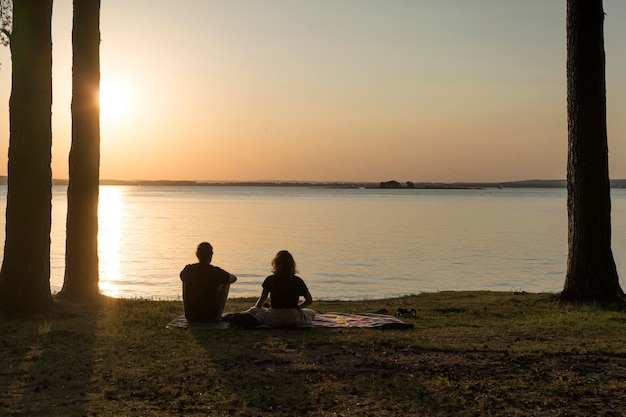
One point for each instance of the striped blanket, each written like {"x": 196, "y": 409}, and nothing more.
{"x": 330, "y": 320}
{"x": 360, "y": 320}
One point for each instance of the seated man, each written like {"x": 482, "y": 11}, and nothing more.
{"x": 205, "y": 287}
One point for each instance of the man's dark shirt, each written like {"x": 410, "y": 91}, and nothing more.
{"x": 200, "y": 284}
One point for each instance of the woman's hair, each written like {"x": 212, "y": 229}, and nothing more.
{"x": 284, "y": 264}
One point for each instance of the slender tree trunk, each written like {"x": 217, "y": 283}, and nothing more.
{"x": 25, "y": 273}
{"x": 81, "y": 251}
{"x": 591, "y": 271}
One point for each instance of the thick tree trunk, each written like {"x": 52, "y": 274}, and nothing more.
{"x": 25, "y": 274}
{"x": 81, "y": 251}
{"x": 591, "y": 271}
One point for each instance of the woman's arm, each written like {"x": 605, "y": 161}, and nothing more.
{"x": 307, "y": 300}
{"x": 263, "y": 298}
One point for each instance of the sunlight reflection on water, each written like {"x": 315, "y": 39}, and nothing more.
{"x": 110, "y": 233}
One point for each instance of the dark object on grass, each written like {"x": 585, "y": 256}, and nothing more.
{"x": 241, "y": 320}
{"x": 406, "y": 313}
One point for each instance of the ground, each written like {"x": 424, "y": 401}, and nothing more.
{"x": 469, "y": 354}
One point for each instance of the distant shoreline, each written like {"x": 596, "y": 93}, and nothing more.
{"x": 617, "y": 183}
{"x": 538, "y": 183}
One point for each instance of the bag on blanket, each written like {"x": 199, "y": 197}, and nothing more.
{"x": 241, "y": 320}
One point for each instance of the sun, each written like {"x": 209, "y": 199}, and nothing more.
{"x": 115, "y": 101}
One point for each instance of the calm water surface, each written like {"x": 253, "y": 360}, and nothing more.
{"x": 349, "y": 243}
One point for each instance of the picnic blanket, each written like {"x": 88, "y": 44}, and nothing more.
{"x": 331, "y": 320}
{"x": 359, "y": 320}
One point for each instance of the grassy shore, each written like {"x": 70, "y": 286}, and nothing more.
{"x": 470, "y": 353}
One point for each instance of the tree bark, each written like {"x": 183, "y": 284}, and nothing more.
{"x": 25, "y": 273}
{"x": 591, "y": 272}
{"x": 81, "y": 251}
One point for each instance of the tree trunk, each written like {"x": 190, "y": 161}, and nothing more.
{"x": 81, "y": 250}
{"x": 591, "y": 271}
{"x": 25, "y": 273}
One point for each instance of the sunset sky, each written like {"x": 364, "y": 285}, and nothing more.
{"x": 327, "y": 90}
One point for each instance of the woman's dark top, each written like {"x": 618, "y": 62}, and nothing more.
{"x": 285, "y": 290}
{"x": 200, "y": 284}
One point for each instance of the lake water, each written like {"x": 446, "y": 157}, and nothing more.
{"x": 348, "y": 243}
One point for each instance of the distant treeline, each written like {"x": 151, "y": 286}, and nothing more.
{"x": 618, "y": 183}
{"x": 392, "y": 184}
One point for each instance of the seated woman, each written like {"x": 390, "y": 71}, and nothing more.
{"x": 284, "y": 288}
{"x": 205, "y": 287}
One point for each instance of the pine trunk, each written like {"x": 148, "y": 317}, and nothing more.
{"x": 81, "y": 252}
{"x": 591, "y": 271}
{"x": 25, "y": 273}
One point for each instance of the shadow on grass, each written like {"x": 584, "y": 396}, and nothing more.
{"x": 46, "y": 362}
{"x": 258, "y": 371}
{"x": 284, "y": 372}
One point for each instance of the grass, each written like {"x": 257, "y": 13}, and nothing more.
{"x": 470, "y": 354}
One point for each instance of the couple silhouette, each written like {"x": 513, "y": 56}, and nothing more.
{"x": 206, "y": 287}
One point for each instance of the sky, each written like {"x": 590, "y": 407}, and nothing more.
{"x": 328, "y": 90}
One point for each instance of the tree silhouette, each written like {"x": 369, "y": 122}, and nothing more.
{"x": 25, "y": 273}
{"x": 6, "y": 21}
{"x": 81, "y": 250}
{"x": 591, "y": 272}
